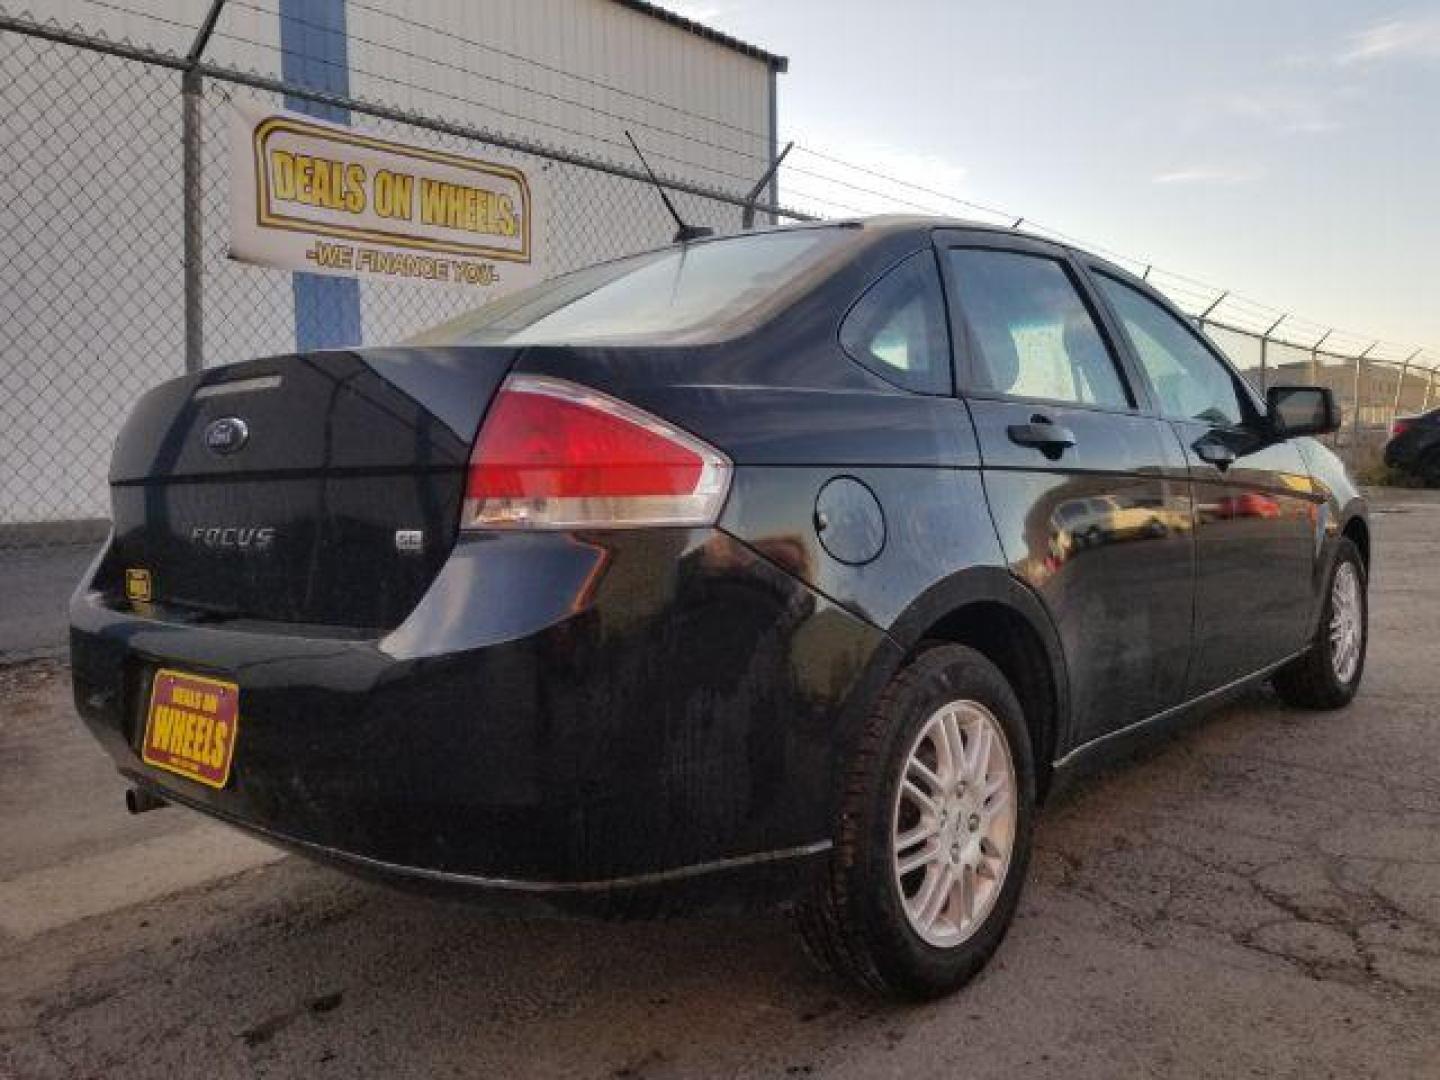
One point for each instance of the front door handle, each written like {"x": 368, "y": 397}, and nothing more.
{"x": 1215, "y": 452}
{"x": 1044, "y": 435}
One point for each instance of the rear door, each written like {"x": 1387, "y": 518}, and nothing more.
{"x": 1090, "y": 495}
{"x": 1255, "y": 504}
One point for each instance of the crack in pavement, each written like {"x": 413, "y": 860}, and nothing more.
{"x": 1258, "y": 894}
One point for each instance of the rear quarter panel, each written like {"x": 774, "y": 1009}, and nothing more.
{"x": 794, "y": 412}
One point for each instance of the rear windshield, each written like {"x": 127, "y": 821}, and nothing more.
{"x": 659, "y": 293}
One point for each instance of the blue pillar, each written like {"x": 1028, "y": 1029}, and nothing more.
{"x": 315, "y": 55}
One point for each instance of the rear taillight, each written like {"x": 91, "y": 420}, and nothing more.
{"x": 554, "y": 455}
{"x": 1399, "y": 427}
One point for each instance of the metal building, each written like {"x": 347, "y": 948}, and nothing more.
{"x": 92, "y": 211}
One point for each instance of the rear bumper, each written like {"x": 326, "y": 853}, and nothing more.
{"x": 561, "y": 717}
{"x": 744, "y": 881}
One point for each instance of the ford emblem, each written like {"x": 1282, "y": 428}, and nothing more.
{"x": 226, "y": 435}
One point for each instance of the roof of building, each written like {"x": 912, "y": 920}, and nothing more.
{"x": 777, "y": 63}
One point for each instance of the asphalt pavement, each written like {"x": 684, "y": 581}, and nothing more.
{"x": 1258, "y": 895}
{"x": 35, "y": 585}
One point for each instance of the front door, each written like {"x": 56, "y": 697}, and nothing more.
{"x": 1254, "y": 502}
{"x": 1090, "y": 496}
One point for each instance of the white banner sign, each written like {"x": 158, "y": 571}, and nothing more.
{"x": 307, "y": 195}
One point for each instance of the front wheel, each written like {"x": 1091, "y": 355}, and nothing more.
{"x": 1328, "y": 674}
{"x": 934, "y": 834}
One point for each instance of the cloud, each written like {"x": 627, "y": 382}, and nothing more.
{"x": 1293, "y": 110}
{"x": 1206, "y": 175}
{"x": 1417, "y": 37}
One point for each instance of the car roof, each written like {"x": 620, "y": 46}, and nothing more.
{"x": 902, "y": 223}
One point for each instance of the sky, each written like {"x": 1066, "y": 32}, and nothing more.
{"x": 1288, "y": 150}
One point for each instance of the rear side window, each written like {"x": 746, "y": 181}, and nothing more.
{"x": 898, "y": 330}
{"x": 1189, "y": 381}
{"x": 1031, "y": 333}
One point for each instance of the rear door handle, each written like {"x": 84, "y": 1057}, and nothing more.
{"x": 1044, "y": 435}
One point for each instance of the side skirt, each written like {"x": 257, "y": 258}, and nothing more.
{"x": 1085, "y": 758}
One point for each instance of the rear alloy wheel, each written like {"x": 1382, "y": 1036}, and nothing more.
{"x": 1329, "y": 673}
{"x": 954, "y": 823}
{"x": 934, "y": 835}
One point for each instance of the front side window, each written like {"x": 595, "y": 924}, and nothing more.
{"x": 1031, "y": 333}
{"x": 1189, "y": 381}
{"x": 898, "y": 331}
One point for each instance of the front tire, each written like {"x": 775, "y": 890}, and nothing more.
{"x": 934, "y": 835}
{"x": 1328, "y": 674}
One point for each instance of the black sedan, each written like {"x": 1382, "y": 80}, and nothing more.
{"x": 1414, "y": 446}
{"x": 798, "y": 566}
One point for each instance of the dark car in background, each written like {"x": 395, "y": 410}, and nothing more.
{"x": 1414, "y": 446}
{"x": 797, "y": 566}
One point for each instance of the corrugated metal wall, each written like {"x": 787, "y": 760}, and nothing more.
{"x": 537, "y": 69}
{"x": 702, "y": 109}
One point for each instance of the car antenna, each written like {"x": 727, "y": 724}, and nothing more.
{"x": 747, "y": 220}
{"x": 684, "y": 233}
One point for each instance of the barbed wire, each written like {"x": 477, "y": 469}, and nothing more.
{"x": 84, "y": 113}
{"x": 628, "y": 120}
{"x": 599, "y": 84}
{"x": 911, "y": 185}
{"x": 1191, "y": 294}
{"x": 190, "y": 28}
{"x": 1223, "y": 307}
{"x": 744, "y": 178}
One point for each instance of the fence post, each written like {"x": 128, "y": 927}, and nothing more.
{"x": 192, "y": 92}
{"x": 1315, "y": 379}
{"x": 1400, "y": 386}
{"x": 1200, "y": 319}
{"x": 1355, "y": 420}
{"x": 1218, "y": 301}
{"x": 1315, "y": 356}
{"x": 1359, "y": 367}
{"x": 1264, "y": 351}
{"x": 1429, "y": 389}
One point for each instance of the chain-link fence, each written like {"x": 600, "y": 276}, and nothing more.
{"x": 98, "y": 300}
{"x": 93, "y": 286}
{"x": 1371, "y": 391}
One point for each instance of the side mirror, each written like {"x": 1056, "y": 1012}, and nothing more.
{"x": 1301, "y": 410}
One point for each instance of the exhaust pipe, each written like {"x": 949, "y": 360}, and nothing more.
{"x": 138, "y": 800}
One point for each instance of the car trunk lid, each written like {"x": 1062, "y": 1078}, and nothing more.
{"x": 322, "y": 488}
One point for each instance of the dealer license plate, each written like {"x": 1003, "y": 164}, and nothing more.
{"x": 191, "y": 726}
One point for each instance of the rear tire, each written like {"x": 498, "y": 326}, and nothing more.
{"x": 950, "y": 729}
{"x": 1328, "y": 674}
